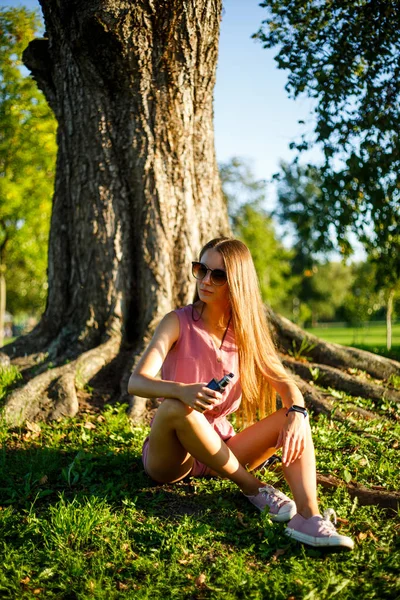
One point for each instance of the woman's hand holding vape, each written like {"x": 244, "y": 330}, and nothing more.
{"x": 199, "y": 397}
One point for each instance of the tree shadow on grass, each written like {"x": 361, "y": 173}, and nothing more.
{"x": 35, "y": 479}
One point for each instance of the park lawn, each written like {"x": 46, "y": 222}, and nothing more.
{"x": 79, "y": 519}
{"x": 371, "y": 334}
{"x": 371, "y": 337}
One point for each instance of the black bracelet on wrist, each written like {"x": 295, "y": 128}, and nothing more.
{"x": 299, "y": 409}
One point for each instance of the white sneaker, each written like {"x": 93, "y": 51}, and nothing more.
{"x": 281, "y": 508}
{"x": 318, "y": 531}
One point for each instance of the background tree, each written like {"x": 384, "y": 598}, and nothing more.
{"x": 301, "y": 210}
{"x": 27, "y": 157}
{"x": 255, "y": 227}
{"x": 324, "y": 289}
{"x": 362, "y": 301}
{"x": 346, "y": 55}
{"x": 246, "y": 197}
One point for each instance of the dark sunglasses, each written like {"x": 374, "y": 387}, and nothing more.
{"x": 217, "y": 276}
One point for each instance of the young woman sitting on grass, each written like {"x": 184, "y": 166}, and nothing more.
{"x": 225, "y": 332}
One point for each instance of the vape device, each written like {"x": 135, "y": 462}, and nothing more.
{"x": 220, "y": 385}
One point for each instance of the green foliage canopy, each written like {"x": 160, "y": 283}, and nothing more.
{"x": 363, "y": 300}
{"x": 346, "y": 55}
{"x": 27, "y": 162}
{"x": 325, "y": 287}
{"x": 300, "y": 209}
{"x": 251, "y": 223}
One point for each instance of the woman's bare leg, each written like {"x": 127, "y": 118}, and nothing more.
{"x": 254, "y": 445}
{"x": 179, "y": 433}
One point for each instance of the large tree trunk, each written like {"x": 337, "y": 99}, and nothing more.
{"x": 137, "y": 188}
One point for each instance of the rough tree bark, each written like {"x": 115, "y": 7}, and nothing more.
{"x": 137, "y": 188}
{"x": 137, "y": 193}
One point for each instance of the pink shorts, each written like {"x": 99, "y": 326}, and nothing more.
{"x": 198, "y": 470}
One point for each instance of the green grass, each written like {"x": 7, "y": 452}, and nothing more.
{"x": 79, "y": 519}
{"x": 9, "y": 340}
{"x": 371, "y": 337}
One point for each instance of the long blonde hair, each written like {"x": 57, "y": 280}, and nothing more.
{"x": 259, "y": 362}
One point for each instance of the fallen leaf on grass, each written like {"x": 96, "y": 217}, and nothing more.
{"x": 122, "y": 586}
{"x": 100, "y": 419}
{"x": 89, "y": 425}
{"x": 31, "y": 435}
{"x": 344, "y": 521}
{"x": 43, "y": 480}
{"x": 240, "y": 519}
{"x": 200, "y": 580}
{"x": 34, "y": 427}
{"x": 25, "y": 580}
{"x": 209, "y": 558}
{"x": 37, "y": 591}
{"x": 278, "y": 553}
{"x": 364, "y": 534}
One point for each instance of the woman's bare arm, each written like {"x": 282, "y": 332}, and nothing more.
{"x": 143, "y": 381}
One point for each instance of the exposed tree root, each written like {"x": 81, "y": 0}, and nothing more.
{"x": 339, "y": 380}
{"x": 4, "y": 360}
{"x": 52, "y": 393}
{"x": 291, "y": 337}
{"x": 321, "y": 403}
{"x": 366, "y": 496}
{"x": 32, "y": 344}
{"x": 364, "y": 413}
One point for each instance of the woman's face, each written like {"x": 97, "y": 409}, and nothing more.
{"x": 207, "y": 290}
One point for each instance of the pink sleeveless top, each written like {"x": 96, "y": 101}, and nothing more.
{"x": 194, "y": 359}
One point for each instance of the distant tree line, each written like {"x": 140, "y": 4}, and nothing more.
{"x": 306, "y": 285}
{"x": 27, "y": 164}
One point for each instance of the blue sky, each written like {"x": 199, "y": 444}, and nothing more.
{"x": 253, "y": 116}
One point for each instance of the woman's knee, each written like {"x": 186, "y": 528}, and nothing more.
{"x": 172, "y": 408}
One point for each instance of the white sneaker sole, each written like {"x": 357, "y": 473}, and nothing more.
{"x": 338, "y": 541}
